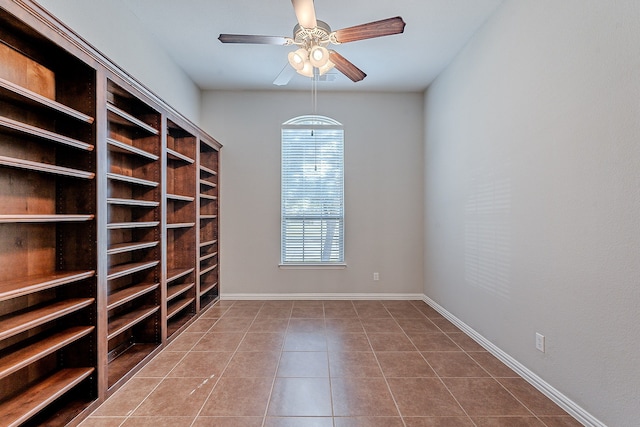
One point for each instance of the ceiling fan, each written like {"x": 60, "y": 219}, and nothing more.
{"x": 312, "y": 36}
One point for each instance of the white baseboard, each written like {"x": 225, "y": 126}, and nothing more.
{"x": 322, "y": 296}
{"x": 545, "y": 388}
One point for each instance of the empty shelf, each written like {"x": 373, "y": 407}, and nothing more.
{"x": 126, "y": 269}
{"x": 207, "y": 170}
{"x": 208, "y": 243}
{"x": 133, "y": 202}
{"x": 130, "y": 293}
{"x": 208, "y": 197}
{"x": 123, "y": 147}
{"x": 45, "y": 167}
{"x": 43, "y": 133}
{"x": 177, "y": 290}
{"x": 177, "y": 306}
{"x": 181, "y": 225}
{"x": 128, "y": 119}
{"x": 207, "y": 288}
{"x": 27, "y": 285}
{"x": 126, "y": 321}
{"x": 130, "y": 247}
{"x": 208, "y": 269}
{"x": 121, "y": 225}
{"x": 207, "y": 256}
{"x": 44, "y": 218}
{"x": 132, "y": 180}
{"x": 180, "y": 198}
{"x": 208, "y": 183}
{"x": 174, "y": 155}
{"x": 176, "y": 273}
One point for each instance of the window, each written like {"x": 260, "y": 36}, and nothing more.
{"x": 312, "y": 191}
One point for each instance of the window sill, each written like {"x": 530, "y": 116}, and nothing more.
{"x": 312, "y": 266}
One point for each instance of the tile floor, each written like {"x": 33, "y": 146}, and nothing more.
{"x": 326, "y": 364}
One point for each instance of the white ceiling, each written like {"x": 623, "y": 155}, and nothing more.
{"x": 188, "y": 29}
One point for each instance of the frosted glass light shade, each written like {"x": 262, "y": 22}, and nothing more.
{"x": 319, "y": 56}
{"x": 306, "y": 70}
{"x": 298, "y": 58}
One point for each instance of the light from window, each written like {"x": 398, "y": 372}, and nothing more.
{"x": 312, "y": 191}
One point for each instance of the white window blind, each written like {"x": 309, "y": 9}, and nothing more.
{"x": 312, "y": 191}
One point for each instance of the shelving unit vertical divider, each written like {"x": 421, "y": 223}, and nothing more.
{"x": 196, "y": 177}
{"x": 163, "y": 227}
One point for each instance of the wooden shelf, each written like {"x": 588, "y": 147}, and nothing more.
{"x": 130, "y": 293}
{"x": 130, "y": 268}
{"x": 208, "y": 269}
{"x": 45, "y": 167}
{"x": 27, "y": 285}
{"x": 38, "y": 99}
{"x": 130, "y": 247}
{"x": 207, "y": 170}
{"x": 23, "y": 357}
{"x": 206, "y": 257}
{"x": 133, "y": 202}
{"x": 176, "y": 273}
{"x": 177, "y": 290}
{"x": 206, "y": 196}
{"x": 174, "y": 155}
{"x": 11, "y": 325}
{"x": 123, "y": 225}
{"x": 43, "y": 134}
{"x": 208, "y": 183}
{"x": 122, "y": 117}
{"x": 132, "y": 180}
{"x": 208, "y": 243}
{"x": 44, "y": 218}
{"x": 128, "y": 360}
{"x": 208, "y": 216}
{"x": 208, "y": 288}
{"x": 177, "y": 306}
{"x": 25, "y": 405}
{"x": 126, "y": 321}
{"x": 179, "y": 198}
{"x": 122, "y": 147}
{"x": 181, "y": 225}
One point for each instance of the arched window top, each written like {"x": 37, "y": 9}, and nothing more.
{"x": 312, "y": 120}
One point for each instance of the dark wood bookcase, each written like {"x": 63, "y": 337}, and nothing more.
{"x": 108, "y": 222}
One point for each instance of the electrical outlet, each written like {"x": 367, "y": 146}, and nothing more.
{"x": 540, "y": 342}
{"x": 376, "y": 276}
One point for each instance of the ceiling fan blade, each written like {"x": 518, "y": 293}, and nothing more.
{"x": 251, "y": 39}
{"x": 285, "y": 75}
{"x": 385, "y": 27}
{"x": 346, "y": 67}
{"x": 305, "y": 12}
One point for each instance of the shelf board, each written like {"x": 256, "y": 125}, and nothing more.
{"x": 127, "y": 361}
{"x": 28, "y": 285}
{"x": 44, "y": 218}
{"x": 208, "y": 170}
{"x": 44, "y": 101}
{"x": 174, "y": 155}
{"x": 208, "y": 269}
{"x": 45, "y": 167}
{"x": 130, "y": 268}
{"x": 177, "y": 306}
{"x": 133, "y": 202}
{"x": 177, "y": 290}
{"x": 206, "y": 196}
{"x": 25, "y": 405}
{"x": 129, "y": 119}
{"x": 123, "y": 147}
{"x": 126, "y": 321}
{"x": 176, "y": 273}
{"x": 180, "y": 198}
{"x": 43, "y": 133}
{"x": 208, "y": 243}
{"x": 130, "y": 247}
{"x": 208, "y": 216}
{"x": 123, "y": 225}
{"x": 208, "y": 288}
{"x": 23, "y": 357}
{"x": 208, "y": 183}
{"x": 11, "y": 325}
{"x": 130, "y": 293}
{"x": 206, "y": 257}
{"x": 132, "y": 180}
{"x": 181, "y": 225}
{"x": 209, "y": 145}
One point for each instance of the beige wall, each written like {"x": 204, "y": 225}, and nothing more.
{"x": 383, "y": 190}
{"x": 532, "y": 196}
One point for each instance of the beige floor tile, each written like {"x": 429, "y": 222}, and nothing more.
{"x": 305, "y": 341}
{"x": 438, "y": 422}
{"x": 432, "y": 341}
{"x": 262, "y": 341}
{"x": 454, "y": 364}
{"x": 201, "y": 364}
{"x": 182, "y": 397}
{"x": 253, "y": 364}
{"x": 158, "y": 421}
{"x": 484, "y": 397}
{"x": 219, "y": 341}
{"x": 238, "y": 397}
{"x": 537, "y": 402}
{"x": 300, "y": 397}
{"x": 507, "y": 422}
{"x": 161, "y": 364}
{"x": 404, "y": 364}
{"x": 391, "y": 342}
{"x": 298, "y": 422}
{"x": 102, "y": 422}
{"x": 127, "y": 398}
{"x": 368, "y": 422}
{"x": 303, "y": 364}
{"x": 227, "y": 422}
{"x": 423, "y": 397}
{"x": 362, "y": 397}
{"x": 349, "y": 341}
{"x": 354, "y": 364}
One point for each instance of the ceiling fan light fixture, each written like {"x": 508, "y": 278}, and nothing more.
{"x": 306, "y": 70}
{"x": 319, "y": 56}
{"x": 326, "y": 68}
{"x": 298, "y": 58}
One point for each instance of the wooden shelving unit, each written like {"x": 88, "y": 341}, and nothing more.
{"x": 108, "y": 222}
{"x": 48, "y": 234}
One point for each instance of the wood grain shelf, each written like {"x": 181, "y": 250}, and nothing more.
{"x": 27, "y": 285}
{"x": 119, "y": 324}
{"x": 208, "y": 197}
{"x": 174, "y": 155}
{"x": 37, "y": 99}
{"x": 127, "y": 361}
{"x": 177, "y": 306}
{"x": 23, "y": 357}
{"x": 208, "y": 288}
{"x": 177, "y": 290}
{"x": 124, "y": 225}
{"x": 35, "y": 131}
{"x": 130, "y": 293}
{"x": 133, "y": 202}
{"x": 181, "y": 225}
{"x": 208, "y": 243}
{"x": 44, "y": 218}
{"x": 129, "y": 268}
{"x": 207, "y": 170}
{"x": 208, "y": 269}
{"x": 122, "y": 147}
{"x": 25, "y": 405}
{"x": 130, "y": 247}
{"x": 208, "y": 216}
{"x": 45, "y": 167}
{"x": 208, "y": 256}
{"x": 176, "y": 273}
{"x": 131, "y": 180}
{"x": 11, "y": 325}
{"x": 179, "y": 198}
{"x": 122, "y": 117}
{"x": 208, "y": 183}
